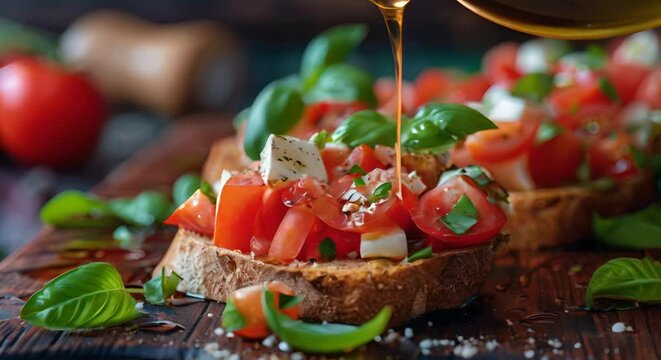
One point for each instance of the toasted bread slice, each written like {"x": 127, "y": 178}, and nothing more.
{"x": 347, "y": 291}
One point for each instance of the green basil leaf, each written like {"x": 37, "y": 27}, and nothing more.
{"x": 594, "y": 58}
{"x": 462, "y": 216}
{"x": 320, "y": 139}
{"x": 366, "y": 127}
{"x": 381, "y": 192}
{"x": 161, "y": 287}
{"x": 327, "y": 249}
{"x": 609, "y": 89}
{"x": 232, "y": 318}
{"x": 342, "y": 82}
{"x": 424, "y": 136}
{"x": 548, "y": 131}
{"x": 322, "y": 338}
{"x": 184, "y": 187}
{"x": 639, "y": 230}
{"x": 535, "y": 86}
{"x": 148, "y": 208}
{"x": 639, "y": 157}
{"x": 356, "y": 169}
{"x": 89, "y": 296}
{"x": 473, "y": 171}
{"x": 276, "y": 110}
{"x": 421, "y": 254}
{"x": 15, "y": 37}
{"x": 76, "y": 209}
{"x": 359, "y": 181}
{"x": 288, "y": 301}
{"x": 624, "y": 279}
{"x": 207, "y": 189}
{"x": 330, "y": 47}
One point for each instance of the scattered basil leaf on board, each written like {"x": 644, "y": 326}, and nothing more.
{"x": 330, "y": 47}
{"x": 322, "y": 338}
{"x": 473, "y": 171}
{"x": 89, "y": 296}
{"x": 535, "y": 86}
{"x": 161, "y": 287}
{"x": 148, "y": 208}
{"x": 381, "y": 192}
{"x": 73, "y": 208}
{"x": 622, "y": 283}
{"x": 276, "y": 110}
{"x": 424, "y": 253}
{"x": 327, "y": 249}
{"x": 366, "y": 127}
{"x": 232, "y": 318}
{"x": 548, "y": 131}
{"x": 184, "y": 187}
{"x": 609, "y": 89}
{"x": 639, "y": 230}
{"x": 462, "y": 216}
{"x": 342, "y": 82}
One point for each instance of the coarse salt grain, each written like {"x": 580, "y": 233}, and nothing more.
{"x": 529, "y": 354}
{"x": 491, "y": 345}
{"x": 269, "y": 341}
{"x": 230, "y": 334}
{"x": 465, "y": 350}
{"x": 297, "y": 356}
{"x": 219, "y": 331}
{"x": 577, "y": 345}
{"x": 210, "y": 315}
{"x": 408, "y": 333}
{"x": 283, "y": 346}
{"x": 618, "y": 327}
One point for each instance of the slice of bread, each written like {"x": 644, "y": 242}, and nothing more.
{"x": 347, "y": 291}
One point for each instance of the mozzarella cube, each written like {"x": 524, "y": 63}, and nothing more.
{"x": 288, "y": 158}
{"x": 641, "y": 48}
{"x": 537, "y": 55}
{"x": 390, "y": 243}
{"x": 507, "y": 108}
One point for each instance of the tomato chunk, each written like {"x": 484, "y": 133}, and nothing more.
{"x": 556, "y": 161}
{"x": 292, "y": 232}
{"x": 195, "y": 214}
{"x": 248, "y": 301}
{"x": 611, "y": 157}
{"x": 510, "y": 140}
{"x": 364, "y": 157}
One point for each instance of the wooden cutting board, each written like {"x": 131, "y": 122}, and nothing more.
{"x": 529, "y": 307}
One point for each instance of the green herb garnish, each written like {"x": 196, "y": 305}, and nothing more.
{"x": 232, "y": 318}
{"x": 535, "y": 86}
{"x": 73, "y": 208}
{"x": 207, "y": 189}
{"x": 609, "y": 89}
{"x": 342, "y": 82}
{"x": 288, "y": 301}
{"x": 359, "y": 181}
{"x": 160, "y": 288}
{"x": 320, "y": 139}
{"x": 473, "y": 171}
{"x": 381, "y": 192}
{"x": 548, "y": 131}
{"x": 356, "y": 169}
{"x": 148, "y": 208}
{"x": 462, "y": 216}
{"x": 327, "y": 249}
{"x": 424, "y": 253}
{"x": 366, "y": 127}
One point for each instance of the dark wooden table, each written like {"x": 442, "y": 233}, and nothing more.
{"x": 529, "y": 308}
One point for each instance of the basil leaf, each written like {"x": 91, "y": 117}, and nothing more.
{"x": 232, "y": 318}
{"x": 356, "y": 169}
{"x": 639, "y": 157}
{"x": 76, "y": 209}
{"x": 359, "y": 181}
{"x": 288, "y": 301}
{"x": 366, "y": 127}
{"x": 89, "y": 296}
{"x": 161, "y": 288}
{"x": 548, "y": 131}
{"x": 148, "y": 208}
{"x": 327, "y": 249}
{"x": 276, "y": 110}
{"x": 639, "y": 230}
{"x": 473, "y": 171}
{"x": 322, "y": 338}
{"x": 609, "y": 89}
{"x": 207, "y": 189}
{"x": 462, "y": 216}
{"x": 421, "y": 254}
{"x": 624, "y": 279}
{"x": 424, "y": 135}
{"x": 184, "y": 188}
{"x": 535, "y": 86}
{"x": 330, "y": 47}
{"x": 15, "y": 37}
{"x": 594, "y": 58}
{"x": 320, "y": 139}
{"x": 342, "y": 82}
{"x": 381, "y": 192}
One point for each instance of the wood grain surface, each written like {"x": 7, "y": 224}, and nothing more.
{"x": 530, "y": 307}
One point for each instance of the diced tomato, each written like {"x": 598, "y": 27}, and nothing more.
{"x": 328, "y": 114}
{"x": 386, "y": 96}
{"x": 345, "y": 243}
{"x": 567, "y": 101}
{"x": 439, "y": 201}
{"x": 303, "y": 192}
{"x": 510, "y": 140}
{"x": 364, "y": 157}
{"x": 431, "y": 84}
{"x": 195, "y": 214}
{"x": 237, "y": 211}
{"x": 248, "y": 302}
{"x": 499, "y": 63}
{"x": 601, "y": 114}
{"x": 470, "y": 89}
{"x": 341, "y": 185}
{"x": 272, "y": 212}
{"x": 649, "y": 91}
{"x": 611, "y": 157}
{"x": 333, "y": 158}
{"x": 556, "y": 161}
{"x": 626, "y": 78}
{"x": 292, "y": 232}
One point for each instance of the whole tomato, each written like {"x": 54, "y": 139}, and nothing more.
{"x": 48, "y": 114}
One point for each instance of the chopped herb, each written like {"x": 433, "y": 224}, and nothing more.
{"x": 595, "y": 57}
{"x": 424, "y": 253}
{"x": 548, "y": 131}
{"x": 232, "y": 318}
{"x": 288, "y": 301}
{"x": 160, "y": 288}
{"x": 356, "y": 169}
{"x": 462, "y": 216}
{"x": 533, "y": 87}
{"x": 320, "y": 138}
{"x": 473, "y": 171}
{"x": 609, "y": 89}
{"x": 207, "y": 189}
{"x": 359, "y": 181}
{"x": 381, "y": 192}
{"x": 639, "y": 157}
{"x": 327, "y": 249}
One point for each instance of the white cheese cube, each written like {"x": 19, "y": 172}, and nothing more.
{"x": 288, "y": 158}
{"x": 390, "y": 243}
{"x": 537, "y": 55}
{"x": 508, "y": 108}
{"x": 218, "y": 185}
{"x": 641, "y": 48}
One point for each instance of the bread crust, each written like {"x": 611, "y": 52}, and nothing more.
{"x": 347, "y": 291}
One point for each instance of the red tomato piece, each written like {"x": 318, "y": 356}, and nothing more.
{"x": 238, "y": 209}
{"x": 431, "y": 84}
{"x": 649, "y": 91}
{"x": 510, "y": 140}
{"x": 626, "y": 78}
{"x": 439, "y": 201}
{"x": 196, "y": 214}
{"x": 272, "y": 212}
{"x": 499, "y": 63}
{"x": 556, "y": 161}
{"x": 611, "y": 157}
{"x": 248, "y": 302}
{"x": 329, "y": 114}
{"x": 567, "y": 101}
{"x": 470, "y": 89}
{"x": 345, "y": 242}
{"x": 333, "y": 158}
{"x": 386, "y": 96}
{"x": 602, "y": 114}
{"x": 364, "y": 157}
{"x": 292, "y": 232}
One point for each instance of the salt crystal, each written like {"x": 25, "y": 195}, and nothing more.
{"x": 378, "y": 338}
{"x": 210, "y": 315}
{"x": 230, "y": 334}
{"x": 465, "y": 350}
{"x": 219, "y": 331}
{"x": 297, "y": 356}
{"x": 426, "y": 344}
{"x": 408, "y": 333}
{"x": 491, "y": 345}
{"x": 618, "y": 327}
{"x": 577, "y": 345}
{"x": 529, "y": 354}
{"x": 283, "y": 346}
{"x": 269, "y": 341}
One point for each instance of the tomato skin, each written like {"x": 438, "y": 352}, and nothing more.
{"x": 431, "y": 84}
{"x": 386, "y": 96}
{"x": 329, "y": 114}
{"x": 510, "y": 140}
{"x": 364, "y": 157}
{"x": 237, "y": 213}
{"x": 292, "y": 232}
{"x": 556, "y": 161}
{"x": 248, "y": 301}
{"x": 575, "y": 103}
{"x": 440, "y": 200}
{"x": 610, "y": 157}
{"x": 345, "y": 243}
{"x": 499, "y": 63}
{"x": 470, "y": 89}
{"x": 333, "y": 158}
{"x": 195, "y": 214}
{"x": 272, "y": 212}
{"x": 49, "y": 116}
{"x": 649, "y": 91}
{"x": 626, "y": 78}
